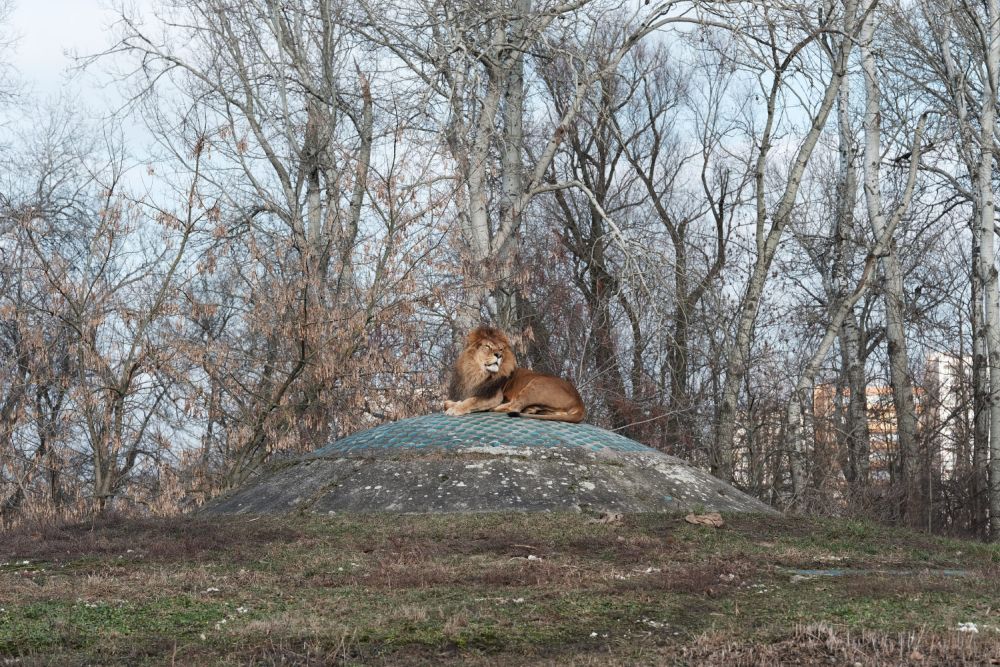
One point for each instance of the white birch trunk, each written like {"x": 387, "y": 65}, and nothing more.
{"x": 899, "y": 374}
{"x": 800, "y": 397}
{"x": 855, "y": 463}
{"x": 980, "y": 394}
{"x": 767, "y": 245}
{"x": 982, "y": 265}
{"x": 987, "y": 256}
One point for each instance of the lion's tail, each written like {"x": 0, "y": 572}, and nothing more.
{"x": 574, "y": 415}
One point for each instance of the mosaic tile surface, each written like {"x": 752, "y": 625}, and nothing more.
{"x": 484, "y": 429}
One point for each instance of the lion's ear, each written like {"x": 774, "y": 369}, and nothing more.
{"x": 475, "y": 336}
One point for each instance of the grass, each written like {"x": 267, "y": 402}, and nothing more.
{"x": 503, "y": 589}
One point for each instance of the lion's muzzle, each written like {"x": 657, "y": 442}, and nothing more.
{"x": 494, "y": 366}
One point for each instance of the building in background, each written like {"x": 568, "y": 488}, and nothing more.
{"x": 830, "y": 417}
{"x": 949, "y": 415}
{"x": 944, "y": 417}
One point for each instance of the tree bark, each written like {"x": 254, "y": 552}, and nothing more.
{"x": 987, "y": 254}
{"x": 796, "y": 416}
{"x": 894, "y": 296}
{"x": 855, "y": 433}
{"x": 856, "y": 437}
{"x": 767, "y": 241}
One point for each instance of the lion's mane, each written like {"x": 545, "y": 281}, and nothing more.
{"x": 469, "y": 377}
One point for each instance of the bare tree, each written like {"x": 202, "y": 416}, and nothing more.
{"x": 948, "y": 53}
{"x": 884, "y": 240}
{"x": 595, "y": 156}
{"x": 43, "y": 173}
{"x": 471, "y": 58}
{"x": 8, "y": 77}
{"x": 115, "y": 301}
{"x": 899, "y": 371}
{"x": 291, "y": 125}
{"x": 852, "y": 341}
{"x": 777, "y": 63}
{"x": 34, "y": 366}
{"x": 661, "y": 163}
{"x": 988, "y": 274}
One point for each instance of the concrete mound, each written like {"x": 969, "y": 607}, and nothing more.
{"x": 484, "y": 462}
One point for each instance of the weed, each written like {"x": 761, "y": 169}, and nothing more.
{"x": 493, "y": 588}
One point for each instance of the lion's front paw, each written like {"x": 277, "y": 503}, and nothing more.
{"x": 454, "y": 408}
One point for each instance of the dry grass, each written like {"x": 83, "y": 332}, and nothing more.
{"x": 488, "y": 589}
{"x": 823, "y": 644}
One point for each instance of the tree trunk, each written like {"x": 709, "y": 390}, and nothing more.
{"x": 902, "y": 389}
{"x": 987, "y": 254}
{"x": 980, "y": 396}
{"x": 512, "y": 177}
{"x": 855, "y": 436}
{"x": 679, "y": 432}
{"x": 609, "y": 377}
{"x": 899, "y": 372}
{"x": 767, "y": 244}
{"x": 884, "y": 228}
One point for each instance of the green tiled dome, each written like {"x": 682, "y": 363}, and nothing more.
{"x": 482, "y": 429}
{"x": 483, "y": 462}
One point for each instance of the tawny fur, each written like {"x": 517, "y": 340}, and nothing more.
{"x": 486, "y": 377}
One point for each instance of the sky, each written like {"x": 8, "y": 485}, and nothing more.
{"x": 45, "y": 30}
{"x": 47, "y": 34}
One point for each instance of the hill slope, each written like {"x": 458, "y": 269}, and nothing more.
{"x": 495, "y": 589}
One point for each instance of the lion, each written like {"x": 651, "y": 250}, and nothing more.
{"x": 486, "y": 377}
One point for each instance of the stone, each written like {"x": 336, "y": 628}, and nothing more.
{"x": 484, "y": 462}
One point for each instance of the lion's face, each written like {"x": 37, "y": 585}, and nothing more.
{"x": 490, "y": 355}
{"x": 487, "y": 354}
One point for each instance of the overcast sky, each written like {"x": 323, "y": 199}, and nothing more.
{"x": 46, "y": 30}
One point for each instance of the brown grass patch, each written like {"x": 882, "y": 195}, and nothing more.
{"x": 822, "y": 644}
{"x": 161, "y": 539}
{"x": 418, "y": 573}
{"x": 710, "y": 579}
{"x": 878, "y": 586}
{"x": 627, "y": 548}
